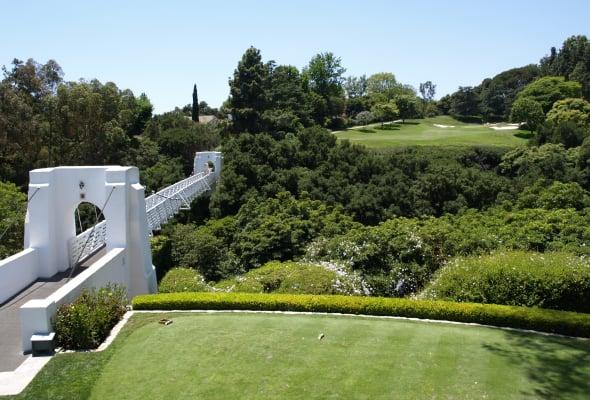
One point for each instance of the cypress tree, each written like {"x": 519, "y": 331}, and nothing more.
{"x": 195, "y": 108}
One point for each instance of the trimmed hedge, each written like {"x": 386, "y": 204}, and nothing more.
{"x": 562, "y": 322}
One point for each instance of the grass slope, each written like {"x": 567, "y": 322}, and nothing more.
{"x": 423, "y": 133}
{"x": 226, "y": 356}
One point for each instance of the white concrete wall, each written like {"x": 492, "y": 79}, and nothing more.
{"x": 50, "y": 223}
{"x": 17, "y": 272}
{"x": 36, "y": 314}
{"x": 202, "y": 158}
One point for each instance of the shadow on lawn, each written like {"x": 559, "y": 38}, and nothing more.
{"x": 524, "y": 135}
{"x": 558, "y": 367}
{"x": 388, "y": 127}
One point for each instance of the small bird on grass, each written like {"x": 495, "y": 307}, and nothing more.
{"x": 321, "y": 336}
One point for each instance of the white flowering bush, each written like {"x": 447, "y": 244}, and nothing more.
{"x": 295, "y": 278}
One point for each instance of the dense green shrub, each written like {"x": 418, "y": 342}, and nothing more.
{"x": 554, "y": 196}
{"x": 198, "y": 248}
{"x": 370, "y": 186}
{"x": 86, "y": 322}
{"x": 563, "y": 322}
{"x": 277, "y": 228}
{"x": 183, "y": 280}
{"x": 13, "y": 205}
{"x": 399, "y": 256}
{"x": 161, "y": 254}
{"x": 280, "y": 228}
{"x": 551, "y": 280}
{"x": 292, "y": 277}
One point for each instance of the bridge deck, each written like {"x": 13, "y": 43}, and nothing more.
{"x": 11, "y": 355}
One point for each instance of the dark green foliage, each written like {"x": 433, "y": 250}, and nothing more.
{"x": 197, "y": 248}
{"x": 195, "y": 105}
{"x": 550, "y": 280}
{"x": 184, "y": 142}
{"x": 399, "y": 256}
{"x": 13, "y": 207}
{"x": 280, "y": 228}
{"x": 182, "y": 280}
{"x": 407, "y": 106}
{"x": 529, "y": 111}
{"x": 572, "y": 62}
{"x": 549, "y": 89}
{"x": 370, "y": 186}
{"x": 86, "y": 323}
{"x": 445, "y": 104}
{"x": 323, "y": 77}
{"x": 247, "y": 92}
{"x": 46, "y": 122}
{"x": 556, "y": 196}
{"x": 263, "y": 230}
{"x": 563, "y": 322}
{"x": 465, "y": 103}
{"x": 163, "y": 173}
{"x": 161, "y": 254}
{"x": 288, "y": 106}
{"x": 549, "y": 161}
{"x": 499, "y": 92}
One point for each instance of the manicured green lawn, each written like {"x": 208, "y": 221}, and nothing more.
{"x": 270, "y": 356}
{"x": 423, "y": 133}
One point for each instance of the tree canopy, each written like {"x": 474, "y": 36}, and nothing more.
{"x": 549, "y": 89}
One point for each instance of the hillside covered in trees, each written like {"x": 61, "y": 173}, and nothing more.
{"x": 391, "y": 219}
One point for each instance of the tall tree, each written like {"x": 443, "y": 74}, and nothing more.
{"x": 355, "y": 86}
{"x": 324, "y": 78}
{"x": 499, "y": 92}
{"x": 195, "y": 108}
{"x": 385, "y": 111}
{"x": 572, "y": 62}
{"x": 407, "y": 106}
{"x": 288, "y": 109}
{"x": 324, "y": 74}
{"x": 427, "y": 91}
{"x": 529, "y": 111}
{"x": 247, "y": 99}
{"x": 465, "y": 102}
{"x": 383, "y": 83}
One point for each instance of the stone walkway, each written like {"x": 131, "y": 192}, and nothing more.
{"x": 11, "y": 355}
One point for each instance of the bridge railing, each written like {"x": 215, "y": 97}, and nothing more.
{"x": 160, "y": 207}
{"x": 87, "y": 243}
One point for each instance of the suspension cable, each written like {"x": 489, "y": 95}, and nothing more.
{"x": 79, "y": 220}
{"x": 90, "y": 234}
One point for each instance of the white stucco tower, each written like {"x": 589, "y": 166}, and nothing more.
{"x": 117, "y": 192}
{"x": 206, "y": 159}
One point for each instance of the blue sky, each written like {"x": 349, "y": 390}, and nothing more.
{"x": 163, "y": 47}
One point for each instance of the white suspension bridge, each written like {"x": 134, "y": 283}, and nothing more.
{"x": 37, "y": 280}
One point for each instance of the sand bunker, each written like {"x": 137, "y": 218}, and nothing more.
{"x": 443, "y": 126}
{"x": 503, "y": 127}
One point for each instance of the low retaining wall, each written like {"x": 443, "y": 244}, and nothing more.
{"x": 17, "y": 272}
{"x": 36, "y": 314}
